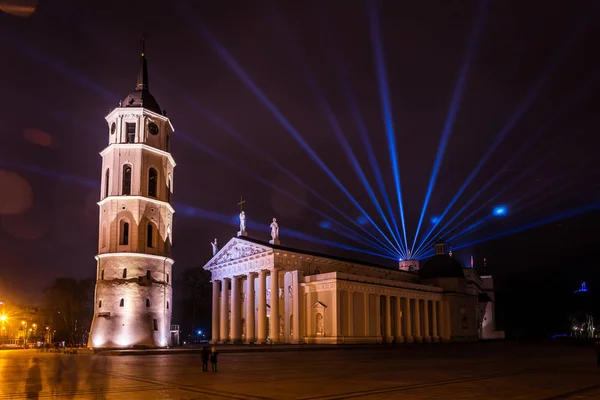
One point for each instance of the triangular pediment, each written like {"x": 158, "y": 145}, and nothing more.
{"x": 236, "y": 249}
{"x": 318, "y": 304}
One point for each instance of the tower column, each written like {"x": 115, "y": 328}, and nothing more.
{"x": 378, "y": 316}
{"x": 399, "y": 336}
{"x": 426, "y": 335}
{"x": 225, "y": 310}
{"x": 275, "y": 318}
{"x": 447, "y": 321}
{"x": 236, "y": 332}
{"x": 387, "y": 320}
{"x": 408, "y": 321}
{"x": 262, "y": 306}
{"x": 418, "y": 337}
{"x": 215, "y": 311}
{"x": 434, "y": 335}
{"x": 366, "y": 307}
{"x": 250, "y": 321}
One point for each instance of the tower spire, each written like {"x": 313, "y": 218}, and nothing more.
{"x": 142, "y": 78}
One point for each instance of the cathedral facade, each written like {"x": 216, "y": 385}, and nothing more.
{"x": 266, "y": 293}
{"x": 133, "y": 296}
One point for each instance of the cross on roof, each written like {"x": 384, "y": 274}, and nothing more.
{"x": 241, "y": 203}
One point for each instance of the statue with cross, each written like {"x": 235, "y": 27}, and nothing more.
{"x": 242, "y": 231}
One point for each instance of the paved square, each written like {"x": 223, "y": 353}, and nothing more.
{"x": 455, "y": 371}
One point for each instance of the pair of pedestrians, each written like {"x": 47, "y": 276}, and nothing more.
{"x": 207, "y": 355}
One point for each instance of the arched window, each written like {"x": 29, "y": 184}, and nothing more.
{"x": 124, "y": 233}
{"x": 130, "y": 132}
{"x": 124, "y": 273}
{"x": 167, "y": 304}
{"x": 126, "y": 179}
{"x": 167, "y": 278}
{"x": 169, "y": 189}
{"x": 122, "y": 303}
{"x": 100, "y": 304}
{"x": 106, "y": 181}
{"x": 102, "y": 277}
{"x": 149, "y": 237}
{"x": 152, "y": 182}
{"x": 147, "y": 302}
{"x": 155, "y": 325}
{"x": 148, "y": 276}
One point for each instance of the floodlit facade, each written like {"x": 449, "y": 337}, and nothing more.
{"x": 133, "y": 295}
{"x": 321, "y": 299}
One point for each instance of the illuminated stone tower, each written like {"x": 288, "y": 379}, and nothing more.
{"x": 133, "y": 281}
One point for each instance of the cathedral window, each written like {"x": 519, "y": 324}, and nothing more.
{"x": 167, "y": 278}
{"x": 155, "y": 325}
{"x": 126, "y": 179}
{"x": 167, "y": 143}
{"x": 100, "y": 304}
{"x": 102, "y": 276}
{"x": 106, "y": 180}
{"x": 149, "y": 237}
{"x": 124, "y": 233}
{"x": 148, "y": 276}
{"x": 124, "y": 273}
{"x": 167, "y": 304}
{"x": 147, "y": 302}
{"x": 122, "y": 303}
{"x": 152, "y": 182}
{"x": 130, "y": 132}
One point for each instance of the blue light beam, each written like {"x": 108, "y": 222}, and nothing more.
{"x": 521, "y": 109}
{"x": 294, "y": 52}
{"x": 453, "y": 110}
{"x": 254, "y": 88}
{"x": 386, "y": 106}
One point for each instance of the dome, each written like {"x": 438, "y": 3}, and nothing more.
{"x": 441, "y": 266}
{"x": 141, "y": 98}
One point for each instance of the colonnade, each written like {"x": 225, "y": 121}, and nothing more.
{"x": 227, "y": 311}
{"x": 416, "y": 327}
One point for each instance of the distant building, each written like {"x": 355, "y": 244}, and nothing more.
{"x": 24, "y": 326}
{"x": 133, "y": 300}
{"x": 320, "y": 299}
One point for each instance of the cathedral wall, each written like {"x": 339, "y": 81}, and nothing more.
{"x": 463, "y": 316}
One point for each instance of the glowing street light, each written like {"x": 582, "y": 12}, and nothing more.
{"x": 2, "y": 318}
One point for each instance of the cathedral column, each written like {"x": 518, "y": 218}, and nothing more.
{"x": 297, "y": 303}
{"x": 399, "y": 337}
{"x": 250, "y": 337}
{"x": 350, "y": 313}
{"x": 434, "y": 335}
{"x": 215, "y": 311}
{"x": 426, "y": 335}
{"x": 236, "y": 332}
{"x": 388, "y": 320}
{"x": 448, "y": 321}
{"x": 262, "y": 306}
{"x": 366, "y": 307}
{"x": 408, "y": 321}
{"x": 275, "y": 318}
{"x": 418, "y": 337}
{"x": 378, "y": 316}
{"x": 225, "y": 310}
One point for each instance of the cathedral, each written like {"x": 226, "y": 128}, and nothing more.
{"x": 262, "y": 292}
{"x": 267, "y": 293}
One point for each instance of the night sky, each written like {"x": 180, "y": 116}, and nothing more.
{"x": 530, "y": 91}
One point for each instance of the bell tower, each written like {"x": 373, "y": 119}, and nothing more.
{"x": 133, "y": 298}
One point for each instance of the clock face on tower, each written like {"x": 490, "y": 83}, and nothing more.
{"x": 113, "y": 128}
{"x": 153, "y": 128}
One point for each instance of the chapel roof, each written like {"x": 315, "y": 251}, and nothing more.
{"x": 441, "y": 265}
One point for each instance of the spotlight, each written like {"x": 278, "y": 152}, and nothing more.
{"x": 500, "y": 211}
{"x": 435, "y": 219}
{"x": 361, "y": 220}
{"x": 325, "y": 224}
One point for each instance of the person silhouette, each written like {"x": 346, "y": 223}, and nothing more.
{"x": 33, "y": 383}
